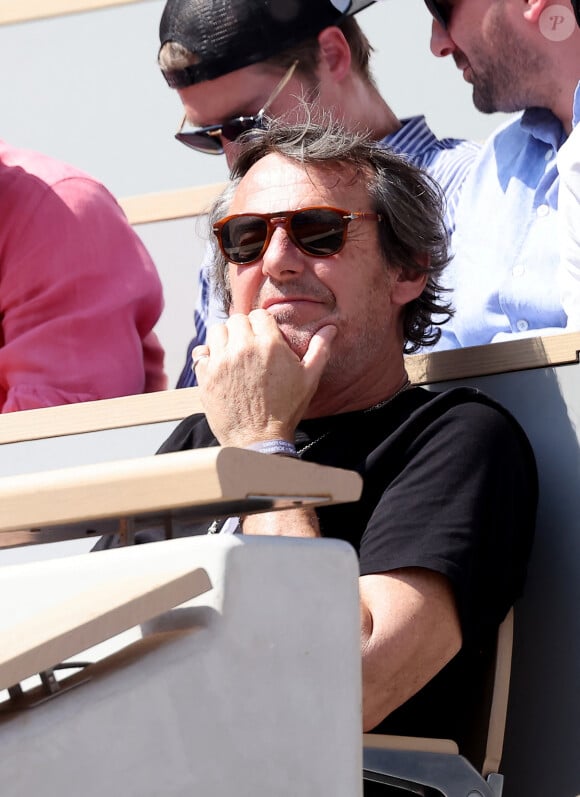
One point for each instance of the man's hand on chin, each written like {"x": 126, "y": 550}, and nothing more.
{"x": 253, "y": 386}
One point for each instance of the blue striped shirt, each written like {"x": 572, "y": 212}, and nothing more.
{"x": 447, "y": 160}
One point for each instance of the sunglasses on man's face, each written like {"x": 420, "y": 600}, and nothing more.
{"x": 210, "y": 138}
{"x": 318, "y": 231}
{"x": 439, "y": 11}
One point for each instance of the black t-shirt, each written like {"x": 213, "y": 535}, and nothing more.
{"x": 449, "y": 485}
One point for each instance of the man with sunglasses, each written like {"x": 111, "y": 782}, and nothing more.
{"x": 236, "y": 62}
{"x": 506, "y": 274}
{"x": 325, "y": 285}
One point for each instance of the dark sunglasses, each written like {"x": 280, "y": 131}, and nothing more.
{"x": 210, "y": 139}
{"x": 439, "y": 12}
{"x": 319, "y": 231}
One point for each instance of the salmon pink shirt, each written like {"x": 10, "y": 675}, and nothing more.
{"x": 79, "y": 294}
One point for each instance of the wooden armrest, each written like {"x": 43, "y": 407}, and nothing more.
{"x": 94, "y": 416}
{"x": 215, "y": 481}
{"x": 494, "y": 358}
{"x": 382, "y": 741}
{"x": 167, "y": 205}
{"x": 86, "y": 619}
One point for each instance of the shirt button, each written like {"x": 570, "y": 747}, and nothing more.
{"x": 542, "y": 210}
{"x": 518, "y": 271}
{"x": 522, "y": 325}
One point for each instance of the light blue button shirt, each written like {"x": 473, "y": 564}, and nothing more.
{"x": 569, "y": 213}
{"x": 506, "y": 254}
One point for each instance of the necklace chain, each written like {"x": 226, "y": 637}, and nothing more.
{"x": 383, "y": 403}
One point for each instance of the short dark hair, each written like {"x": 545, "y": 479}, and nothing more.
{"x": 412, "y": 233}
{"x": 307, "y": 52}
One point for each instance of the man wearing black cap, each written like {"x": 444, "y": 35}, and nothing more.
{"x": 233, "y": 62}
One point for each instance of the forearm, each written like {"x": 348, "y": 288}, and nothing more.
{"x": 399, "y": 612}
{"x": 285, "y": 523}
{"x": 409, "y": 631}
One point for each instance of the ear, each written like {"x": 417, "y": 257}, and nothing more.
{"x": 533, "y": 9}
{"x": 335, "y": 55}
{"x": 407, "y": 286}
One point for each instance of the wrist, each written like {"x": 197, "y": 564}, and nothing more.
{"x": 275, "y": 446}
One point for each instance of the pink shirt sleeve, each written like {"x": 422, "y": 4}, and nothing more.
{"x": 79, "y": 297}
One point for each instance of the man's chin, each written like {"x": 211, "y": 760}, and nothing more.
{"x": 483, "y": 105}
{"x": 298, "y": 338}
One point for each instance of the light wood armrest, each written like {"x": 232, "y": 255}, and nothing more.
{"x": 210, "y": 479}
{"x": 167, "y": 205}
{"x": 382, "y": 741}
{"x": 94, "y": 416}
{"x": 494, "y": 358}
{"x": 88, "y": 618}
{"x": 173, "y": 405}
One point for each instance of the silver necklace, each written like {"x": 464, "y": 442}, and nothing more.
{"x": 406, "y": 384}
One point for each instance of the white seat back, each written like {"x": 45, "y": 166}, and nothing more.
{"x": 252, "y": 688}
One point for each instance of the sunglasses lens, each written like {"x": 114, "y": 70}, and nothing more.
{"x": 202, "y": 142}
{"x": 319, "y": 231}
{"x": 233, "y": 129}
{"x": 316, "y": 231}
{"x": 243, "y": 238}
{"x": 438, "y": 11}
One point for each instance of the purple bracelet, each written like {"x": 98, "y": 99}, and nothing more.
{"x": 282, "y": 447}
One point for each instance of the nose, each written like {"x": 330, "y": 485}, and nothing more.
{"x": 441, "y": 42}
{"x": 282, "y": 260}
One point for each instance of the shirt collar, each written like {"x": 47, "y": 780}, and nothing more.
{"x": 404, "y": 140}
{"x": 543, "y": 126}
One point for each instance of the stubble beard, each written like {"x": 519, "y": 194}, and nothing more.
{"x": 297, "y": 337}
{"x": 501, "y": 80}
{"x": 354, "y": 344}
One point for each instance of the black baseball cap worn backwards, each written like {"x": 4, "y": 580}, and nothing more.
{"x": 226, "y": 35}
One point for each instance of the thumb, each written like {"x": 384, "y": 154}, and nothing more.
{"x": 318, "y": 352}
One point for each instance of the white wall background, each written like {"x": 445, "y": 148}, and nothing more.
{"x": 86, "y": 88}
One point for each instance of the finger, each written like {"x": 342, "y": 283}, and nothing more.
{"x": 318, "y": 352}
{"x": 199, "y": 361}
{"x": 238, "y": 326}
{"x": 240, "y": 335}
{"x": 197, "y": 354}
{"x": 263, "y": 323}
{"x": 217, "y": 337}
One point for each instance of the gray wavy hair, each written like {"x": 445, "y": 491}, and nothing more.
{"x": 412, "y": 234}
